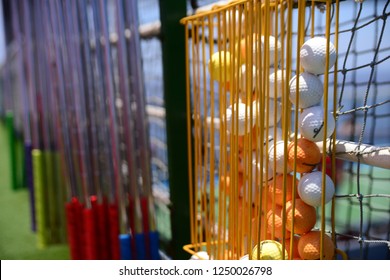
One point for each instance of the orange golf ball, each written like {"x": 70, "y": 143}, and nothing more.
{"x": 310, "y": 243}
{"x": 304, "y": 216}
{"x": 307, "y": 158}
{"x": 295, "y": 252}
{"x": 275, "y": 223}
{"x": 276, "y": 186}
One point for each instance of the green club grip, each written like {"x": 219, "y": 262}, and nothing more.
{"x": 61, "y": 193}
{"x": 40, "y": 199}
{"x": 52, "y": 201}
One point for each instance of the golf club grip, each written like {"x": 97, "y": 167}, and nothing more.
{"x": 125, "y": 244}
{"x": 133, "y": 248}
{"x": 154, "y": 245}
{"x": 61, "y": 185}
{"x": 91, "y": 234}
{"x": 30, "y": 181}
{"x": 40, "y": 198}
{"x": 131, "y": 214}
{"x": 145, "y": 213}
{"x": 51, "y": 201}
{"x": 114, "y": 231}
{"x": 145, "y": 225}
{"x": 74, "y": 223}
{"x": 140, "y": 246}
{"x": 102, "y": 220}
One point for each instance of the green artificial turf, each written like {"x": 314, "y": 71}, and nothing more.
{"x": 17, "y": 240}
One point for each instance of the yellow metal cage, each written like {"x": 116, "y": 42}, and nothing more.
{"x": 245, "y": 130}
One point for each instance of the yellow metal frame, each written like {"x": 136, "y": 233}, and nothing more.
{"x": 263, "y": 18}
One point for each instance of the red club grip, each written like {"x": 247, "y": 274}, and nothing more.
{"x": 74, "y": 224}
{"x": 91, "y": 252}
{"x": 91, "y": 234}
{"x": 102, "y": 220}
{"x": 145, "y": 223}
{"x": 132, "y": 226}
{"x": 114, "y": 231}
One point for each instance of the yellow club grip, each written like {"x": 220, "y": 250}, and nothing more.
{"x": 40, "y": 199}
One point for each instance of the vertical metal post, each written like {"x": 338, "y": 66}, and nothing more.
{"x": 174, "y": 69}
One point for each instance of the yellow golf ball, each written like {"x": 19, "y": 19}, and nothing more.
{"x": 219, "y": 66}
{"x": 269, "y": 250}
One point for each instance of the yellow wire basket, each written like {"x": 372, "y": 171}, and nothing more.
{"x": 258, "y": 95}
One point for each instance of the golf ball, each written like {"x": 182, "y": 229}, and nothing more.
{"x": 219, "y": 66}
{"x": 269, "y": 250}
{"x": 256, "y": 169}
{"x": 294, "y": 252}
{"x": 309, "y": 246}
{"x": 307, "y": 156}
{"x": 275, "y": 223}
{"x": 242, "y": 125}
{"x": 312, "y": 125}
{"x": 313, "y": 55}
{"x": 310, "y": 90}
{"x": 276, "y": 83}
{"x": 277, "y": 191}
{"x": 201, "y": 255}
{"x": 244, "y": 258}
{"x": 301, "y": 217}
{"x": 310, "y": 188}
{"x": 274, "y": 114}
{"x": 233, "y": 19}
{"x": 269, "y": 137}
{"x": 256, "y": 173}
{"x": 258, "y": 49}
{"x": 245, "y": 76}
{"x": 274, "y": 45}
{"x": 273, "y": 136}
{"x": 276, "y": 160}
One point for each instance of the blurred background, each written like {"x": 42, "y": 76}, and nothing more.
{"x": 364, "y": 37}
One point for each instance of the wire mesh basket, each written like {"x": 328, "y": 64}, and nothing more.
{"x": 262, "y": 92}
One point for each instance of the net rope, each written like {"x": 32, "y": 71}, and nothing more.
{"x": 364, "y": 235}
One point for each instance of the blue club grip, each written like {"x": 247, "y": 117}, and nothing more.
{"x": 154, "y": 245}
{"x": 140, "y": 246}
{"x": 125, "y": 246}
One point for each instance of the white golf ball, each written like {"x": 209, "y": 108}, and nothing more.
{"x": 310, "y": 188}
{"x": 256, "y": 169}
{"x": 233, "y": 19}
{"x": 201, "y": 255}
{"x": 276, "y": 83}
{"x": 310, "y": 90}
{"x": 244, "y": 78}
{"x": 269, "y": 137}
{"x": 243, "y": 119}
{"x": 256, "y": 173}
{"x": 272, "y": 137}
{"x": 278, "y": 158}
{"x": 313, "y": 55}
{"x": 244, "y": 258}
{"x": 311, "y": 124}
{"x": 274, "y": 46}
{"x": 271, "y": 111}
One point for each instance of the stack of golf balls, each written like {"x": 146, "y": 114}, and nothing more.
{"x": 308, "y": 84}
{"x": 311, "y": 120}
{"x": 244, "y": 113}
